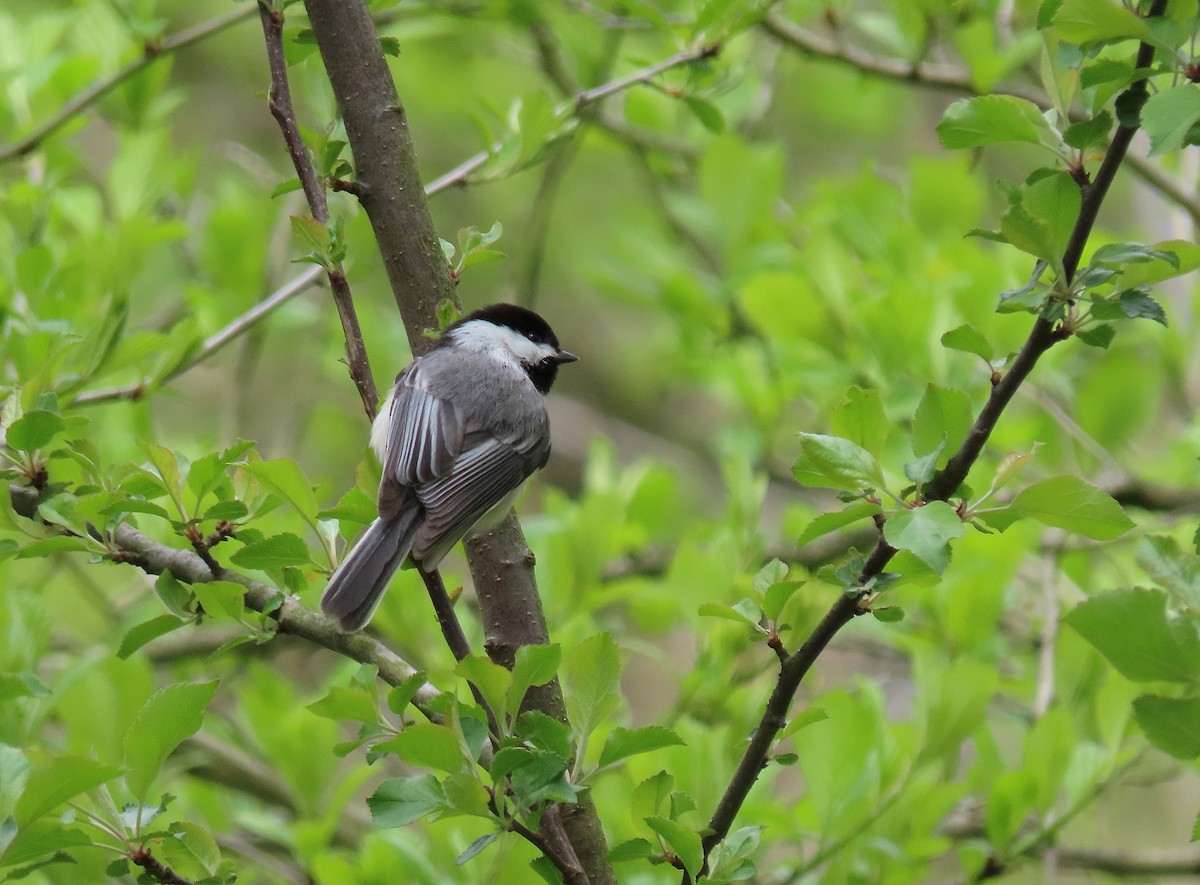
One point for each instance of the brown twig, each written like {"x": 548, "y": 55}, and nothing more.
{"x": 461, "y": 173}
{"x": 282, "y": 109}
{"x": 155, "y": 867}
{"x": 212, "y": 344}
{"x": 1043, "y": 336}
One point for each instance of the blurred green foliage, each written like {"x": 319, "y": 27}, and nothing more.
{"x": 760, "y": 257}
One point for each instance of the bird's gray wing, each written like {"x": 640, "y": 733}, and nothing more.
{"x": 482, "y": 476}
{"x": 424, "y": 439}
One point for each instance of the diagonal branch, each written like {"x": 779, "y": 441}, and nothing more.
{"x": 461, "y": 173}
{"x": 291, "y": 616}
{"x": 151, "y": 52}
{"x": 282, "y": 109}
{"x": 212, "y": 344}
{"x": 1042, "y": 337}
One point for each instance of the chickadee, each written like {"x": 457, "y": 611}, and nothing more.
{"x": 463, "y": 428}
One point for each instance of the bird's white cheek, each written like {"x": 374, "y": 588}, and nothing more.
{"x": 380, "y": 428}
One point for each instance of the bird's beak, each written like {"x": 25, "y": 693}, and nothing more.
{"x": 564, "y": 356}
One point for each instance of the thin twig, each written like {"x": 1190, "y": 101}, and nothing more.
{"x": 291, "y": 616}
{"x": 456, "y": 640}
{"x": 461, "y": 173}
{"x": 151, "y": 52}
{"x": 646, "y": 74}
{"x": 1042, "y": 337}
{"x": 212, "y": 344}
{"x": 284, "y": 112}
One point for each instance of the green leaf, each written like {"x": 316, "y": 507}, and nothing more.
{"x": 650, "y": 794}
{"x": 534, "y": 665}
{"x": 1068, "y": 502}
{"x": 828, "y": 522}
{"x": 623, "y": 743}
{"x": 542, "y": 778}
{"x": 809, "y": 716}
{"x": 466, "y": 794}
{"x": 744, "y": 612}
{"x": 861, "y": 419}
{"x": 1175, "y": 571}
{"x": 1089, "y": 133}
{"x": 174, "y": 595}
{"x": 165, "y": 720}
{"x": 34, "y": 430}
{"x": 147, "y": 631}
{"x": 1053, "y": 199}
{"x": 56, "y": 780}
{"x": 969, "y": 340}
{"x": 429, "y": 745}
{"x": 1009, "y": 804}
{"x": 285, "y": 478}
{"x": 943, "y": 417}
{"x": 1168, "y": 116}
{"x": 192, "y": 846}
{"x": 836, "y": 463}
{"x": 772, "y": 573}
{"x": 312, "y": 234}
{"x": 1172, "y": 724}
{"x": 923, "y": 469}
{"x": 1132, "y": 630}
{"x": 683, "y": 842}
{"x": 492, "y": 680}
{"x": 632, "y": 849}
{"x": 39, "y": 839}
{"x": 221, "y": 600}
{"x": 22, "y": 685}
{"x": 544, "y": 732}
{"x": 479, "y": 844}
{"x": 927, "y": 531}
{"x": 346, "y": 704}
{"x": 274, "y": 552}
{"x": 776, "y": 597}
{"x": 166, "y": 465}
{"x": 1091, "y": 21}
{"x": 593, "y": 683}
{"x": 402, "y": 800}
{"x": 1116, "y": 255}
{"x": 888, "y": 614}
{"x": 1136, "y": 303}
{"x": 1097, "y": 336}
{"x": 399, "y": 697}
{"x": 994, "y": 119}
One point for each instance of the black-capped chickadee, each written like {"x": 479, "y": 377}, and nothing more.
{"x": 463, "y": 428}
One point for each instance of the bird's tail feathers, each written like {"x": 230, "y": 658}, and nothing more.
{"x": 357, "y": 586}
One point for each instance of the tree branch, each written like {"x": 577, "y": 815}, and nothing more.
{"x": 461, "y": 173}
{"x": 396, "y": 206}
{"x": 151, "y": 52}
{"x": 212, "y": 344}
{"x": 291, "y": 616}
{"x": 282, "y": 109}
{"x": 1042, "y": 337}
